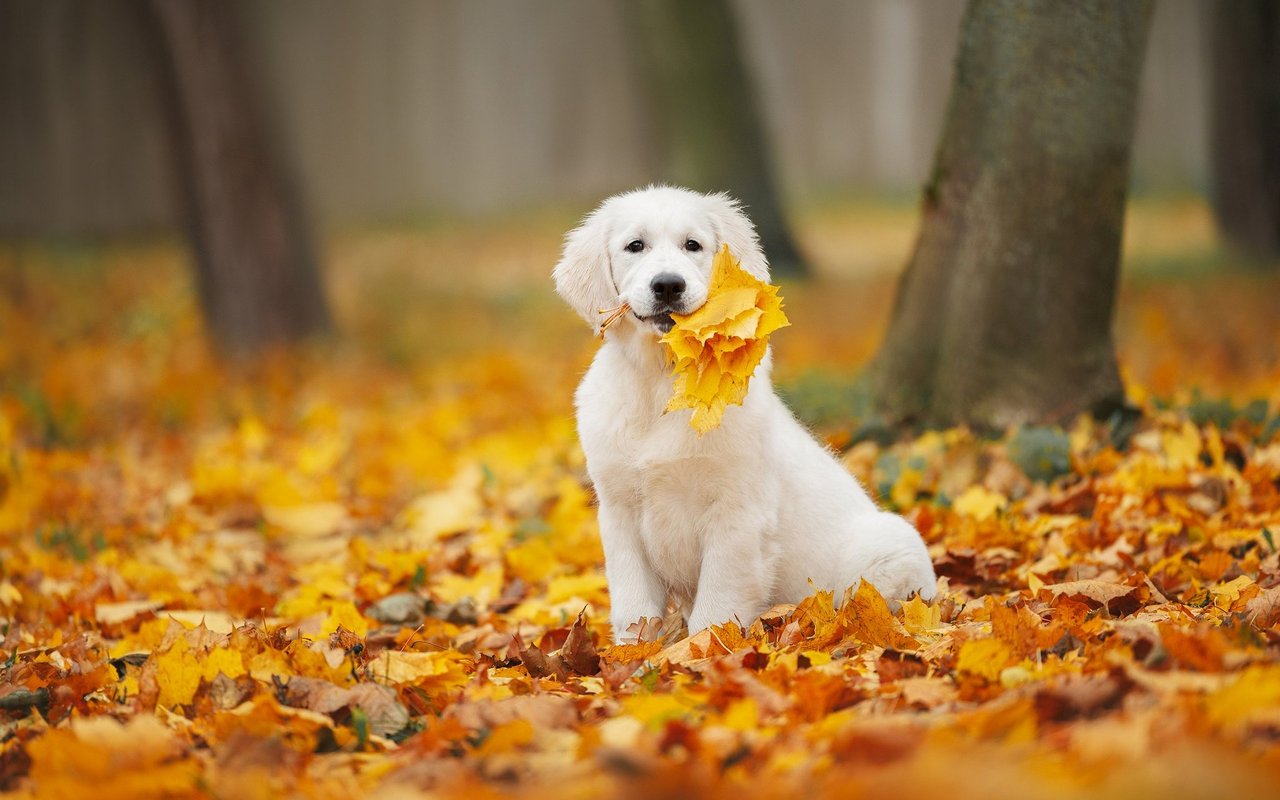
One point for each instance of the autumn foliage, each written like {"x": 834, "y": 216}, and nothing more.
{"x": 716, "y": 348}
{"x": 338, "y": 575}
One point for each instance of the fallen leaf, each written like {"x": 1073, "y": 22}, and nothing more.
{"x": 1264, "y": 610}
{"x": 380, "y": 705}
{"x": 579, "y": 652}
{"x": 985, "y": 658}
{"x": 178, "y": 674}
{"x": 1117, "y": 598}
{"x": 979, "y": 503}
{"x": 867, "y": 617}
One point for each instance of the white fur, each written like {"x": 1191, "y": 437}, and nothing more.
{"x": 744, "y": 517}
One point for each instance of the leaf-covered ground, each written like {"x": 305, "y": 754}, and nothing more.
{"x": 374, "y": 570}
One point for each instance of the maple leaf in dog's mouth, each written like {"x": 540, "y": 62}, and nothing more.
{"x": 716, "y": 348}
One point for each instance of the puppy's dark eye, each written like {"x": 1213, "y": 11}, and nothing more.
{"x": 692, "y": 246}
{"x": 635, "y": 246}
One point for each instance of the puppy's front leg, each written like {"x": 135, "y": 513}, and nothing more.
{"x": 733, "y": 580}
{"x": 634, "y": 590}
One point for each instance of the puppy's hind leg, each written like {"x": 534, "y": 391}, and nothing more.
{"x": 888, "y": 552}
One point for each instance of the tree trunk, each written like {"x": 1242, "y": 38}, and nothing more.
{"x": 255, "y": 269}
{"x": 1003, "y": 315}
{"x": 1245, "y": 128}
{"x": 710, "y": 128}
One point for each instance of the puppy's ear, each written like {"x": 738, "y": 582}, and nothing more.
{"x": 582, "y": 276}
{"x": 735, "y": 229}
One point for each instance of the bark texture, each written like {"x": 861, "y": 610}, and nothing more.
{"x": 711, "y": 133}
{"x": 1003, "y": 315}
{"x": 256, "y": 272}
{"x": 1245, "y": 127}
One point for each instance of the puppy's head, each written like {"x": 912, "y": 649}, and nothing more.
{"x": 652, "y": 249}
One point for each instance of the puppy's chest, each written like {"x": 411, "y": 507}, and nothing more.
{"x": 674, "y": 505}
{"x": 624, "y": 427}
{"x": 655, "y": 471}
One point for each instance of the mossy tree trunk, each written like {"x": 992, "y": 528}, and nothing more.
{"x": 710, "y": 129}
{"x": 1245, "y": 127}
{"x": 1004, "y": 313}
{"x": 256, "y": 272}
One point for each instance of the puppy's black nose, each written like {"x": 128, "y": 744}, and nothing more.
{"x": 667, "y": 287}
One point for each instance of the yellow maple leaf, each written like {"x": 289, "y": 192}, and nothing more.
{"x": 178, "y": 673}
{"x": 984, "y": 657}
{"x": 920, "y": 616}
{"x": 222, "y": 660}
{"x": 344, "y": 613}
{"x": 434, "y": 671}
{"x": 979, "y": 502}
{"x": 715, "y": 349}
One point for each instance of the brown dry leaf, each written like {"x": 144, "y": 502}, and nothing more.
{"x": 227, "y": 693}
{"x": 316, "y": 695}
{"x": 1264, "y": 610}
{"x": 386, "y": 715}
{"x": 1118, "y": 599}
{"x": 579, "y": 652}
{"x": 540, "y": 665}
{"x": 690, "y": 648}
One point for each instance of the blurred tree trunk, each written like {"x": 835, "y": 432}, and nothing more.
{"x": 1245, "y": 128}
{"x": 1004, "y": 312}
{"x": 255, "y": 269}
{"x": 711, "y": 131}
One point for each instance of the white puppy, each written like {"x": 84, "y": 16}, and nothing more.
{"x": 744, "y": 517}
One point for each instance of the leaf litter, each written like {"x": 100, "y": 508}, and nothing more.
{"x": 342, "y": 578}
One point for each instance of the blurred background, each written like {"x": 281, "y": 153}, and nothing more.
{"x": 404, "y": 110}
{"x": 422, "y": 160}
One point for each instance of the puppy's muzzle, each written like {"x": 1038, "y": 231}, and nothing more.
{"x": 667, "y": 288}
{"x": 668, "y": 295}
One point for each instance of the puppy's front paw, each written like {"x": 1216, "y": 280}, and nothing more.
{"x": 646, "y": 629}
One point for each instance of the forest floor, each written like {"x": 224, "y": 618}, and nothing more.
{"x": 372, "y": 567}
